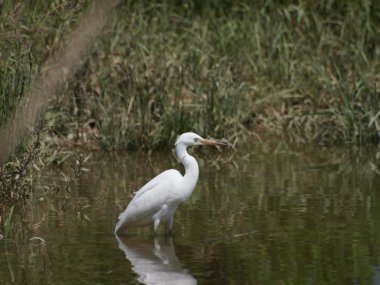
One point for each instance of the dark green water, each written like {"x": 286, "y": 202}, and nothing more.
{"x": 264, "y": 216}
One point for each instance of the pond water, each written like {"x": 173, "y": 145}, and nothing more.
{"x": 268, "y": 215}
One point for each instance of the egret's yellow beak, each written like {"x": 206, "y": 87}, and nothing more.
{"x": 211, "y": 142}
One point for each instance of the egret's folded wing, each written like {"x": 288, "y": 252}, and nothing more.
{"x": 142, "y": 208}
{"x": 149, "y": 199}
{"x": 143, "y": 203}
{"x": 166, "y": 175}
{"x": 154, "y": 194}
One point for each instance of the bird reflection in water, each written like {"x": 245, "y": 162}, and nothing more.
{"x": 155, "y": 263}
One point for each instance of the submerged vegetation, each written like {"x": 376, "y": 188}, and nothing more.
{"x": 305, "y": 71}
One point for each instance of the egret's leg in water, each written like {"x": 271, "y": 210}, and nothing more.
{"x": 157, "y": 217}
{"x": 170, "y": 225}
{"x": 156, "y": 223}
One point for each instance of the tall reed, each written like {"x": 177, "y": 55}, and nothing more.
{"x": 7, "y": 224}
{"x": 305, "y": 71}
{"x": 30, "y": 32}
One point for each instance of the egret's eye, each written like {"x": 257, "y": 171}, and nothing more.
{"x": 195, "y": 139}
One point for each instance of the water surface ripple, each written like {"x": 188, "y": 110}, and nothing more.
{"x": 273, "y": 216}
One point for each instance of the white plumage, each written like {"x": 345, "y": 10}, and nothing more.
{"x": 157, "y": 200}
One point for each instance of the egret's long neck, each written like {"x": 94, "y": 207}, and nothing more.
{"x": 191, "y": 165}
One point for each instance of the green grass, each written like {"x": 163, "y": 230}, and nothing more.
{"x": 307, "y": 72}
{"x": 7, "y": 224}
{"x": 302, "y": 71}
{"x": 30, "y": 32}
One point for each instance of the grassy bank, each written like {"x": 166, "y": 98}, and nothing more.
{"x": 307, "y": 72}
{"x": 303, "y": 72}
{"x": 30, "y": 33}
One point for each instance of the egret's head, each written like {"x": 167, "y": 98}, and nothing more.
{"x": 190, "y": 138}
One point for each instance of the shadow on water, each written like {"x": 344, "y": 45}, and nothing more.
{"x": 275, "y": 216}
{"x": 154, "y": 263}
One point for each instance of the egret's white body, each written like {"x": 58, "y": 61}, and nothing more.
{"x": 157, "y": 200}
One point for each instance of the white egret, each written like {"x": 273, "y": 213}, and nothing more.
{"x": 157, "y": 200}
